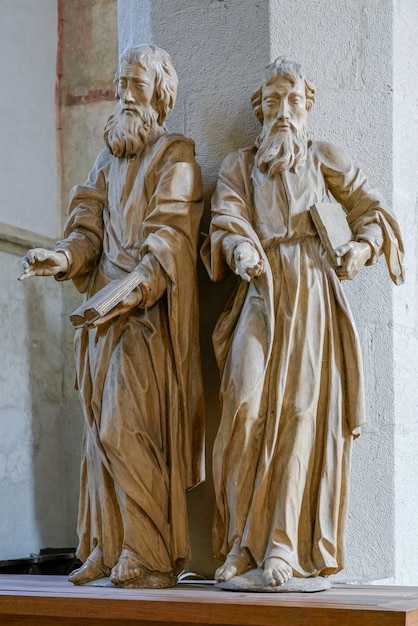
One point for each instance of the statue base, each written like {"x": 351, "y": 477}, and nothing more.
{"x": 253, "y": 581}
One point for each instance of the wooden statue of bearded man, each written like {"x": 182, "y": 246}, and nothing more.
{"x": 292, "y": 388}
{"x": 138, "y": 367}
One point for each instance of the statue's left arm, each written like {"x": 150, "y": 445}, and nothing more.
{"x": 374, "y": 226}
{"x": 171, "y": 225}
{"x": 171, "y": 230}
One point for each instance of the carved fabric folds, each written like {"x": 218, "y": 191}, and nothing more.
{"x": 292, "y": 386}
{"x": 139, "y": 374}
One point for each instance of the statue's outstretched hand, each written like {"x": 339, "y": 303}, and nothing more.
{"x": 42, "y": 262}
{"x": 247, "y": 261}
{"x": 354, "y": 255}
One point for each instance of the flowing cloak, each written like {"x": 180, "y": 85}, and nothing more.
{"x": 292, "y": 386}
{"x": 139, "y": 375}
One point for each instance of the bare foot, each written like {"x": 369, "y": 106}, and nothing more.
{"x": 152, "y": 580}
{"x": 89, "y": 571}
{"x": 126, "y": 570}
{"x": 235, "y": 565}
{"x": 276, "y": 571}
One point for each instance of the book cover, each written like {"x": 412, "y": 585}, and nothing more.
{"x": 105, "y": 300}
{"x": 331, "y": 223}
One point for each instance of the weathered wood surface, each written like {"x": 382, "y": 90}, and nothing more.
{"x": 52, "y": 600}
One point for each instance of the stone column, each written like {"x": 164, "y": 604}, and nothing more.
{"x": 360, "y": 55}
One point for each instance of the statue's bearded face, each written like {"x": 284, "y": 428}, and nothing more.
{"x": 130, "y": 123}
{"x": 282, "y": 144}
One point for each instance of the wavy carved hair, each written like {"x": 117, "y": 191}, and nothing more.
{"x": 150, "y": 57}
{"x": 291, "y": 70}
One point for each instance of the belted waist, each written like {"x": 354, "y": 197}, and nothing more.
{"x": 267, "y": 244}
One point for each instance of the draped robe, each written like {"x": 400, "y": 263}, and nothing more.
{"x": 138, "y": 375}
{"x": 292, "y": 389}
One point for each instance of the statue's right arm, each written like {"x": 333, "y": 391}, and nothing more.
{"x": 83, "y": 231}
{"x": 242, "y": 257}
{"x": 230, "y": 244}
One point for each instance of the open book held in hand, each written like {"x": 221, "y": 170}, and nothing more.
{"x": 106, "y": 299}
{"x": 331, "y": 223}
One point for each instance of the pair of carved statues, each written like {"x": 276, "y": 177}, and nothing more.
{"x": 291, "y": 373}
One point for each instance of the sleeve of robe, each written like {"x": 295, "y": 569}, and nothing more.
{"x": 83, "y": 230}
{"x": 231, "y": 217}
{"x": 368, "y": 214}
{"x": 231, "y": 224}
{"x": 171, "y": 225}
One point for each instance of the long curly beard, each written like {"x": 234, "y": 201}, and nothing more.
{"x": 127, "y": 129}
{"x": 280, "y": 150}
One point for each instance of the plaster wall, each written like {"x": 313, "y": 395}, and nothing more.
{"x": 31, "y": 427}
{"x": 33, "y": 480}
{"x": 28, "y": 176}
{"x": 354, "y": 52}
{"x": 405, "y": 158}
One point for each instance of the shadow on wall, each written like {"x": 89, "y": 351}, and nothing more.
{"x": 201, "y": 500}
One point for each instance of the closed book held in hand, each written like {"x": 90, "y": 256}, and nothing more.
{"x": 333, "y": 229}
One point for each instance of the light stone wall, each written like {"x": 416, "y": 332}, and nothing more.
{"x": 28, "y": 180}
{"x": 362, "y": 56}
{"x": 405, "y": 343}
{"x": 32, "y": 497}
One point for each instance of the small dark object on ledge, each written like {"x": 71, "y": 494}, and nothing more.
{"x": 58, "y": 561}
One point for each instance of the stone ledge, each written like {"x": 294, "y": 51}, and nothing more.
{"x": 17, "y": 240}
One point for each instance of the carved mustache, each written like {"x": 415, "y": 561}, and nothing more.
{"x": 131, "y": 108}
{"x": 279, "y": 124}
